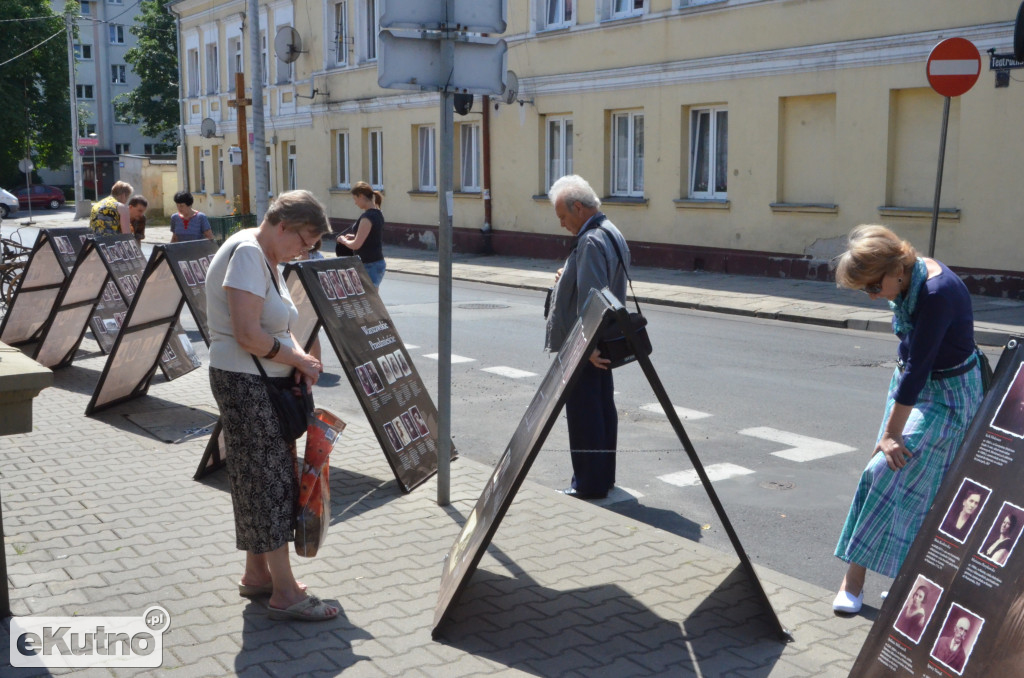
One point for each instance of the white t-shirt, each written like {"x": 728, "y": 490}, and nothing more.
{"x": 240, "y": 264}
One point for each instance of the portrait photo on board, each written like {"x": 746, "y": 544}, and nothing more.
{"x": 1003, "y": 535}
{"x": 326, "y": 285}
{"x": 364, "y": 380}
{"x": 186, "y": 271}
{"x": 396, "y": 443}
{"x": 417, "y": 419}
{"x": 339, "y": 291}
{"x": 371, "y": 372}
{"x": 410, "y": 427}
{"x": 346, "y": 282}
{"x": 403, "y": 363}
{"x": 918, "y": 608}
{"x": 963, "y": 512}
{"x": 395, "y": 367}
{"x": 400, "y": 430}
{"x": 357, "y": 284}
{"x": 1009, "y": 416}
{"x": 956, "y": 639}
{"x": 385, "y": 366}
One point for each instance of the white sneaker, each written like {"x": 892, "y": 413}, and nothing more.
{"x": 883, "y": 595}
{"x": 847, "y": 603}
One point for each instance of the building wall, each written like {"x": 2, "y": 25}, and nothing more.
{"x": 825, "y": 109}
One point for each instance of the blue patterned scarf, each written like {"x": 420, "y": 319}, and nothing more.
{"x": 906, "y": 304}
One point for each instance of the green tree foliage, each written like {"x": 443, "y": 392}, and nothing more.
{"x": 154, "y": 103}
{"x": 36, "y": 113}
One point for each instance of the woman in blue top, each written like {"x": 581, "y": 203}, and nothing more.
{"x": 188, "y": 224}
{"x": 933, "y": 396}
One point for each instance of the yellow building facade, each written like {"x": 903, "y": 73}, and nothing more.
{"x": 746, "y": 136}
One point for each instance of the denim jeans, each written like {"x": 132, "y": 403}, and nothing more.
{"x": 376, "y": 271}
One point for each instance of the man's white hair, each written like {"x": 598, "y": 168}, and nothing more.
{"x": 573, "y": 188}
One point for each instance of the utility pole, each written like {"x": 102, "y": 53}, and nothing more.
{"x": 239, "y": 103}
{"x": 259, "y": 143}
{"x": 81, "y": 204}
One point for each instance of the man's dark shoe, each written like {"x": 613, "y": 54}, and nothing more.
{"x": 573, "y": 492}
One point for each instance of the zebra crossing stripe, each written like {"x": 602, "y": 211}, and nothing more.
{"x": 510, "y": 372}
{"x": 455, "y": 358}
{"x": 716, "y": 472}
{"x": 802, "y": 448}
{"x": 681, "y": 412}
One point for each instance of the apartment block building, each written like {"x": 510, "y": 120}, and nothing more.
{"x": 746, "y": 136}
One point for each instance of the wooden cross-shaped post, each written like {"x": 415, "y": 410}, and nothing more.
{"x": 240, "y": 103}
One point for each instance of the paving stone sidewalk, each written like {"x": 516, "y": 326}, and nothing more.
{"x": 103, "y": 518}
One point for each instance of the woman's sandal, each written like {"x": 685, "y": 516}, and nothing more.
{"x": 309, "y": 608}
{"x": 247, "y": 591}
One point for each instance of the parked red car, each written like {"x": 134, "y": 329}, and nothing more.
{"x": 41, "y": 196}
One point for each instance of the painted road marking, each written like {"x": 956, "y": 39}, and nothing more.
{"x": 681, "y": 412}
{"x": 802, "y": 448}
{"x": 455, "y": 358}
{"x": 510, "y": 372}
{"x": 715, "y": 473}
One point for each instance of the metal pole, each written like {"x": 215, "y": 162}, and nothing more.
{"x": 5, "y": 597}
{"x": 95, "y": 170}
{"x": 76, "y": 157}
{"x": 259, "y": 143}
{"x": 445, "y": 201}
{"x": 938, "y": 180}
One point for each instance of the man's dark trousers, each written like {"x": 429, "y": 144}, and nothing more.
{"x": 593, "y": 430}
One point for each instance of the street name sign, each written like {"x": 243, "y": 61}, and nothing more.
{"x": 88, "y": 141}
{"x": 953, "y": 67}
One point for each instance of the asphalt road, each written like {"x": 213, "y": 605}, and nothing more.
{"x": 747, "y": 388}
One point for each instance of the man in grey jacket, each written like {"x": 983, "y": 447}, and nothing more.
{"x": 592, "y": 264}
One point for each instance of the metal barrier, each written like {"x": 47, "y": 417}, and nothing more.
{"x": 224, "y": 227}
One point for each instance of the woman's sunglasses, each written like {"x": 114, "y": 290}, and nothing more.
{"x": 874, "y": 288}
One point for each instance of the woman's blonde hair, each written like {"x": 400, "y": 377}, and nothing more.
{"x": 122, "y": 190}
{"x": 872, "y": 252}
{"x": 298, "y": 210}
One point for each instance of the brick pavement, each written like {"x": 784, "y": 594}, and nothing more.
{"x": 102, "y": 518}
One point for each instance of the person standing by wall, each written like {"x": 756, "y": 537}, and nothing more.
{"x": 188, "y": 224}
{"x": 368, "y": 240}
{"x": 110, "y": 215}
{"x": 593, "y": 263}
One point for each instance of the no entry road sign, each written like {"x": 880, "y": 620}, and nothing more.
{"x": 953, "y": 67}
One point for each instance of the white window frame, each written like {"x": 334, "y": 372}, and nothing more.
{"x": 202, "y": 174}
{"x": 293, "y": 171}
{"x": 339, "y": 39}
{"x": 116, "y": 34}
{"x": 220, "y": 170}
{"x": 375, "y": 158}
{"x": 115, "y": 2}
{"x": 552, "y": 14}
{"x": 236, "y": 62}
{"x": 118, "y": 74}
{"x": 715, "y": 164}
{"x": 192, "y": 57}
{"x": 90, "y": 128}
{"x": 212, "y": 68}
{"x": 263, "y": 56}
{"x": 633, "y": 188}
{"x": 85, "y": 92}
{"x": 122, "y": 149}
{"x": 426, "y": 155}
{"x": 149, "y": 149}
{"x": 557, "y": 161}
{"x": 81, "y": 49}
{"x": 469, "y": 149}
{"x": 86, "y": 6}
{"x": 344, "y": 178}
{"x": 369, "y": 28}
{"x": 617, "y": 11}
{"x": 270, "y": 172}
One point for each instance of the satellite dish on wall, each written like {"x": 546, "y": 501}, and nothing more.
{"x": 287, "y": 44}
{"x": 511, "y": 87}
{"x": 208, "y": 128}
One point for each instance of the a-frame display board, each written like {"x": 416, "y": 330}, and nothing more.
{"x": 956, "y": 607}
{"x": 188, "y": 262}
{"x": 601, "y": 309}
{"x": 346, "y": 305}
{"x": 79, "y": 294}
{"x": 149, "y": 334}
{"x": 51, "y": 260}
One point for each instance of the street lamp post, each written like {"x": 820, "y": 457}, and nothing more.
{"x": 95, "y": 170}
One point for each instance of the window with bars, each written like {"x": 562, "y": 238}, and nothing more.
{"x": 627, "y": 176}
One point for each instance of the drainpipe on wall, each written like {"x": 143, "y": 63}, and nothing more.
{"x": 485, "y": 132}
{"x": 181, "y": 102}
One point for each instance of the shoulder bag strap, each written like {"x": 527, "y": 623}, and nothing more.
{"x": 622, "y": 263}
